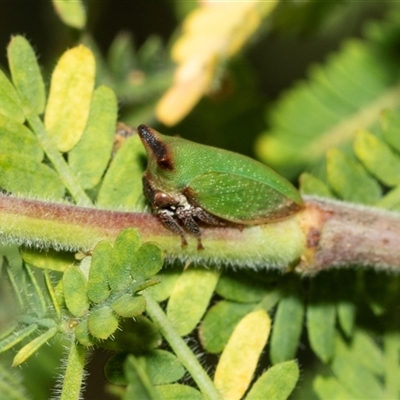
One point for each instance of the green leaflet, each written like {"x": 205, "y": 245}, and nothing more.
{"x": 377, "y": 158}
{"x": 119, "y": 268}
{"x": 37, "y": 299}
{"x": 75, "y": 291}
{"x": 129, "y": 306}
{"x": 18, "y": 171}
{"x": 121, "y": 56}
{"x": 391, "y": 345}
{"x": 368, "y": 353}
{"x": 17, "y": 138}
{"x": 16, "y": 337}
{"x": 47, "y": 259}
{"x": 89, "y": 158}
{"x": 12, "y": 265}
{"x": 168, "y": 277}
{"x": 235, "y": 286}
{"x": 288, "y": 325}
{"x": 276, "y": 383}
{"x": 82, "y": 333}
{"x": 354, "y": 376}
{"x": 102, "y": 322}
{"x": 221, "y": 319}
{"x": 10, "y": 103}
{"x": 270, "y": 300}
{"x": 71, "y": 12}
{"x": 346, "y": 293}
{"x": 68, "y": 106}
{"x": 321, "y": 316}
{"x": 310, "y": 185}
{"x": 190, "y": 297}
{"x": 147, "y": 261}
{"x": 122, "y": 186}
{"x": 59, "y": 163}
{"x": 390, "y": 122}
{"x": 55, "y": 297}
{"x": 349, "y": 179}
{"x": 329, "y": 388}
{"x": 98, "y": 289}
{"x": 162, "y": 367}
{"x": 113, "y": 370}
{"x": 219, "y": 323}
{"x": 139, "y": 384}
{"x": 26, "y": 75}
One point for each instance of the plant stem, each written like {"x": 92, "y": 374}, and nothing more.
{"x": 74, "y": 373}
{"x": 325, "y": 234}
{"x": 181, "y": 349}
{"x": 343, "y": 234}
{"x": 68, "y": 178}
{"x": 70, "y": 227}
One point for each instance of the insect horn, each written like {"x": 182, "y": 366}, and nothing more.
{"x": 155, "y": 147}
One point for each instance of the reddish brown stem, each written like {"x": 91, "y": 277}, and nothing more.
{"x": 325, "y": 234}
{"x": 342, "y": 234}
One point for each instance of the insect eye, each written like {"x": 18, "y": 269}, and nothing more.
{"x": 164, "y": 200}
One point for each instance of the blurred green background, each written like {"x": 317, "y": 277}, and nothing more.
{"x": 232, "y": 118}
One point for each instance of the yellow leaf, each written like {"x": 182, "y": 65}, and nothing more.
{"x": 70, "y": 95}
{"x": 71, "y": 12}
{"x": 211, "y": 34}
{"x": 184, "y": 95}
{"x": 239, "y": 359}
{"x": 33, "y": 346}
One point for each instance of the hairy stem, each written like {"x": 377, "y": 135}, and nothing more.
{"x": 74, "y": 373}
{"x": 326, "y": 233}
{"x": 342, "y": 234}
{"x": 70, "y": 227}
{"x": 181, "y": 349}
{"x": 68, "y": 178}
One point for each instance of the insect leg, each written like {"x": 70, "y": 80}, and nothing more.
{"x": 206, "y": 217}
{"x": 185, "y": 215}
{"x": 169, "y": 222}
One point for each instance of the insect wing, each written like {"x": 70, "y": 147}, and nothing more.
{"x": 239, "y": 199}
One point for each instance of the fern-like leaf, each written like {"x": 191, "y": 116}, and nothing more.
{"x": 345, "y": 94}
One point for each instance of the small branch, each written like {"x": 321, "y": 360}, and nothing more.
{"x": 181, "y": 349}
{"x": 74, "y": 373}
{"x": 325, "y": 234}
{"x": 68, "y": 178}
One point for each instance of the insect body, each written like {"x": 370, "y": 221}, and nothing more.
{"x": 185, "y": 181}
